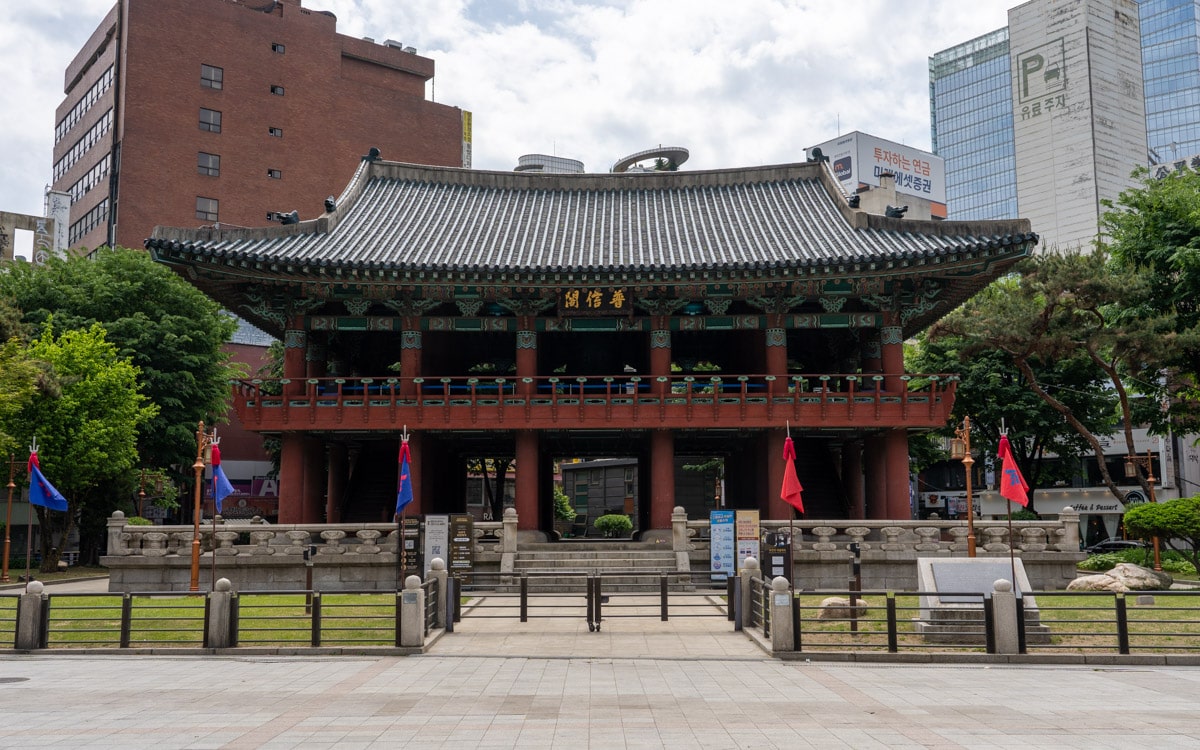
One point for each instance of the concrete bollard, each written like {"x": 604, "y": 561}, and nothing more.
{"x": 781, "y": 615}
{"x": 220, "y": 615}
{"x": 508, "y": 542}
{"x": 29, "y": 617}
{"x": 412, "y": 613}
{"x": 437, "y": 569}
{"x": 750, "y": 571}
{"x": 1004, "y": 617}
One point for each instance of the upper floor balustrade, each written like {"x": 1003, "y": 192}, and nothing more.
{"x": 616, "y": 401}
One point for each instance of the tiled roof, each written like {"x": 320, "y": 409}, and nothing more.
{"x": 398, "y": 216}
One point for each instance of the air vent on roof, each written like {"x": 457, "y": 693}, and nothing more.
{"x": 393, "y": 43}
{"x": 368, "y": 39}
{"x": 411, "y": 50}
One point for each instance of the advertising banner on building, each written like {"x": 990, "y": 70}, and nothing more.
{"x": 859, "y": 159}
{"x": 721, "y": 544}
{"x": 747, "y": 535}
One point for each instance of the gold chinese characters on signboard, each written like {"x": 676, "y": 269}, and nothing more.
{"x": 593, "y": 301}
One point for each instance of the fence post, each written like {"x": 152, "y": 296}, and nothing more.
{"x": 1004, "y": 614}
{"x": 412, "y": 613}
{"x": 220, "y": 615}
{"x": 679, "y": 539}
{"x": 781, "y": 615}
{"x": 437, "y": 569}
{"x": 749, "y": 571}
{"x": 29, "y": 618}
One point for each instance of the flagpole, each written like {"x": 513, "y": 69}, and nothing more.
{"x": 29, "y": 523}
{"x": 1012, "y": 560}
{"x": 791, "y": 528}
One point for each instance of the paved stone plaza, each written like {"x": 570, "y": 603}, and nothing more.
{"x": 639, "y": 683}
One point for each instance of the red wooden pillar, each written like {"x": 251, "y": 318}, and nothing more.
{"x": 528, "y": 512}
{"x": 899, "y": 505}
{"x": 660, "y": 353}
{"x": 852, "y": 478}
{"x": 662, "y": 478}
{"x": 526, "y": 357}
{"x": 891, "y": 350}
{"x": 314, "y": 480}
{"x": 335, "y": 483}
{"x": 410, "y": 358}
{"x": 776, "y": 358}
{"x": 295, "y": 347}
{"x": 314, "y": 360}
{"x": 776, "y": 509}
{"x": 291, "y": 478}
{"x": 876, "y": 477}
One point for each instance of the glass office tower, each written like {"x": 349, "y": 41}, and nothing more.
{"x": 971, "y": 115}
{"x": 1171, "y": 73}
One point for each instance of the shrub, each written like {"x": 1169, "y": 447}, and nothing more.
{"x": 138, "y": 521}
{"x": 614, "y": 525}
{"x": 563, "y": 511}
{"x": 1172, "y": 562}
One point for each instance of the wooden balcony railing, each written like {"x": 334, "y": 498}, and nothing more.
{"x": 625, "y": 402}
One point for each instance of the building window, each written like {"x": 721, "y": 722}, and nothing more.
{"x": 206, "y": 209}
{"x": 209, "y": 164}
{"x": 277, "y": 90}
{"x": 274, "y": 174}
{"x": 88, "y": 222}
{"x": 277, "y": 48}
{"x": 210, "y": 120}
{"x": 211, "y": 77}
{"x": 276, "y": 132}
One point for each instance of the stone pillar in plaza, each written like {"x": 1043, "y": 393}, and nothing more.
{"x": 220, "y": 615}
{"x": 781, "y": 615}
{"x": 412, "y": 613}
{"x": 1004, "y": 617}
{"x": 29, "y": 617}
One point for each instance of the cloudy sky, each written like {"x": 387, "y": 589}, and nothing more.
{"x": 737, "y": 82}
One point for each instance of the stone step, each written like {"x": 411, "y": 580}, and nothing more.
{"x": 599, "y": 559}
{"x": 594, "y": 546}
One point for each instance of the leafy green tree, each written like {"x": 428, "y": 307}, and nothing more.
{"x": 994, "y": 394}
{"x": 18, "y": 380}
{"x": 1071, "y": 307}
{"x": 86, "y": 427}
{"x": 1176, "y": 523}
{"x": 170, "y": 331}
{"x": 1154, "y": 230}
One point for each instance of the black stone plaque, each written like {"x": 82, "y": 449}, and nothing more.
{"x": 962, "y": 578}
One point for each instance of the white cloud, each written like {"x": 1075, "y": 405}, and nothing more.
{"x": 737, "y": 83}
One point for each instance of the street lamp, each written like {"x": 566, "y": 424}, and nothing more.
{"x": 12, "y": 467}
{"x": 204, "y": 443}
{"x": 1132, "y": 462}
{"x": 960, "y": 450}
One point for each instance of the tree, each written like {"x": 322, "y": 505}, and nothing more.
{"x": 86, "y": 426}
{"x": 1176, "y": 523}
{"x": 1154, "y": 230}
{"x": 993, "y": 392}
{"x": 1063, "y": 307}
{"x": 169, "y": 330}
{"x": 18, "y": 381}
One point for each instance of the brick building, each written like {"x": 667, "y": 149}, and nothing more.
{"x": 198, "y": 112}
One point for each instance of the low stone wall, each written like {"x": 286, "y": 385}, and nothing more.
{"x": 363, "y": 556}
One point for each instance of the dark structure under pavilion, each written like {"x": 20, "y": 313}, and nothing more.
{"x": 651, "y": 316}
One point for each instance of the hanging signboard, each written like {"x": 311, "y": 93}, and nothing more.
{"x": 747, "y": 535}
{"x": 412, "y": 551}
{"x": 437, "y": 540}
{"x": 721, "y": 544}
{"x": 462, "y": 544}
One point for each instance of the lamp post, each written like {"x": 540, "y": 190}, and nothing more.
{"x": 203, "y": 451}
{"x": 12, "y": 468}
{"x": 1146, "y": 462}
{"x": 960, "y": 450}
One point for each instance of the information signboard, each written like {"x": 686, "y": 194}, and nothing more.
{"x": 437, "y": 540}
{"x": 747, "y": 535}
{"x": 721, "y": 544}
{"x": 462, "y": 544}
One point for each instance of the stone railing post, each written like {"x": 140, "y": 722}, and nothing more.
{"x": 1004, "y": 617}
{"x": 116, "y": 528}
{"x": 1069, "y": 541}
{"x": 29, "y": 618}
{"x": 749, "y": 572}
{"x": 437, "y": 569}
{"x": 508, "y": 544}
{"x": 412, "y": 613}
{"x": 220, "y": 615}
{"x": 679, "y": 539}
{"x": 781, "y": 615}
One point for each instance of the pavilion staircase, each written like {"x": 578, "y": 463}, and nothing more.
{"x": 623, "y": 565}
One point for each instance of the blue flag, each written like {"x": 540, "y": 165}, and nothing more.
{"x": 41, "y": 492}
{"x": 404, "y": 490}
{"x": 222, "y": 487}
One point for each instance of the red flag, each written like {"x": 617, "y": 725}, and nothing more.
{"x": 1012, "y": 484}
{"x": 791, "y": 483}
